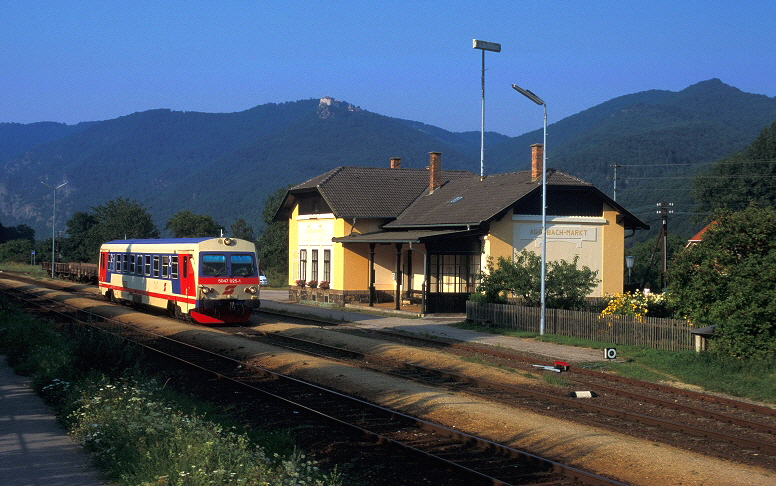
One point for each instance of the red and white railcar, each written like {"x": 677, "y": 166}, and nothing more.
{"x": 210, "y": 280}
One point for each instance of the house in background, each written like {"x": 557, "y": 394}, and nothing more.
{"x": 423, "y": 236}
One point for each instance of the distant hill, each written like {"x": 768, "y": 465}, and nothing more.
{"x": 226, "y": 164}
{"x": 659, "y": 138}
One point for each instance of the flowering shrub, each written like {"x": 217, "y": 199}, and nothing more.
{"x": 625, "y": 304}
{"x": 323, "y": 284}
{"x": 301, "y": 283}
{"x": 312, "y": 284}
{"x": 636, "y": 304}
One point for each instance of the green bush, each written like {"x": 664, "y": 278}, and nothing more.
{"x": 566, "y": 285}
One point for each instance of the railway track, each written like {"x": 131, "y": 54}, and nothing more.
{"x": 476, "y": 460}
{"x": 722, "y": 427}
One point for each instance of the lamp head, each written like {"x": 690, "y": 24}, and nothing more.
{"x": 528, "y": 94}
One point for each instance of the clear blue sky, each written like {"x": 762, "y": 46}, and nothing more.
{"x": 83, "y": 60}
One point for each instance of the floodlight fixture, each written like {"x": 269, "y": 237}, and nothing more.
{"x": 493, "y": 47}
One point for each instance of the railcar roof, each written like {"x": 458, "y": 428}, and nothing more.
{"x": 159, "y": 241}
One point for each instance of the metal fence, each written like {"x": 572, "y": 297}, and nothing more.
{"x": 651, "y": 332}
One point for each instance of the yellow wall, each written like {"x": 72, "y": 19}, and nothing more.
{"x": 499, "y": 242}
{"x": 293, "y": 253}
{"x": 349, "y": 266}
{"x": 599, "y": 243}
{"x": 613, "y": 256}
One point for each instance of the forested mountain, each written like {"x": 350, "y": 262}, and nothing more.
{"x": 659, "y": 140}
{"x": 226, "y": 164}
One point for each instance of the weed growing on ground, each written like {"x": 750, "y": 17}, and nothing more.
{"x": 139, "y": 432}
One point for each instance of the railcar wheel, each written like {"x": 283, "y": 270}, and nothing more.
{"x": 174, "y": 310}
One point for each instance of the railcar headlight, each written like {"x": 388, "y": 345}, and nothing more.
{"x": 251, "y": 290}
{"x": 206, "y": 290}
{"x": 227, "y": 241}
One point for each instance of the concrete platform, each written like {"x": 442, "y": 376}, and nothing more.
{"x": 34, "y": 448}
{"x": 436, "y": 326}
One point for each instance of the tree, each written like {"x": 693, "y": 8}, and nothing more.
{"x": 729, "y": 280}
{"x": 185, "y": 224}
{"x": 81, "y": 238}
{"x": 273, "y": 243}
{"x": 16, "y": 251}
{"x": 647, "y": 275}
{"x": 117, "y": 219}
{"x": 566, "y": 285}
{"x": 122, "y": 218}
{"x": 743, "y": 178}
{"x": 241, "y": 230}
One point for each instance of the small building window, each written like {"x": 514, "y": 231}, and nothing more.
{"x": 303, "y": 265}
{"x": 453, "y": 273}
{"x": 327, "y": 265}
{"x": 314, "y": 268}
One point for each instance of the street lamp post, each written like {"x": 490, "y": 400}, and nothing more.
{"x": 53, "y": 223}
{"x": 493, "y": 47}
{"x": 528, "y": 94}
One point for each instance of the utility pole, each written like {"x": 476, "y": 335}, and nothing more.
{"x": 615, "y": 167}
{"x": 663, "y": 210}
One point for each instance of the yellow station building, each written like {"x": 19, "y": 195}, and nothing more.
{"x": 412, "y": 236}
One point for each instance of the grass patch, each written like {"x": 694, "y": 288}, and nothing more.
{"x": 739, "y": 378}
{"x": 139, "y": 431}
{"x": 556, "y": 379}
{"x": 26, "y": 268}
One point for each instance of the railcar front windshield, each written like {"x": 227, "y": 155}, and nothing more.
{"x": 229, "y": 265}
{"x": 213, "y": 265}
{"x": 242, "y": 265}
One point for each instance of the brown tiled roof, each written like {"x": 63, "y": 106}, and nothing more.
{"x": 473, "y": 201}
{"x": 401, "y": 195}
{"x": 373, "y": 192}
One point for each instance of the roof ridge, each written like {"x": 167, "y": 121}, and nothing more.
{"x": 331, "y": 174}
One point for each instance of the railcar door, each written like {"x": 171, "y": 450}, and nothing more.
{"x": 188, "y": 285}
{"x": 103, "y": 266}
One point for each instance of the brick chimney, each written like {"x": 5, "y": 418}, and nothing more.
{"x": 434, "y": 171}
{"x": 395, "y": 163}
{"x": 537, "y": 161}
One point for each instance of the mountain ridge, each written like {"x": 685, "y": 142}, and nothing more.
{"x": 226, "y": 164}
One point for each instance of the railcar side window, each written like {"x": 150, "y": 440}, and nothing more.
{"x": 124, "y": 262}
{"x": 213, "y": 265}
{"x": 156, "y": 265}
{"x": 139, "y": 264}
{"x": 131, "y": 264}
{"x": 165, "y": 266}
{"x": 242, "y": 265}
{"x": 174, "y": 266}
{"x": 148, "y": 265}
{"x": 112, "y": 262}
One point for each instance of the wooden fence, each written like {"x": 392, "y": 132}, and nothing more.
{"x": 651, "y": 332}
